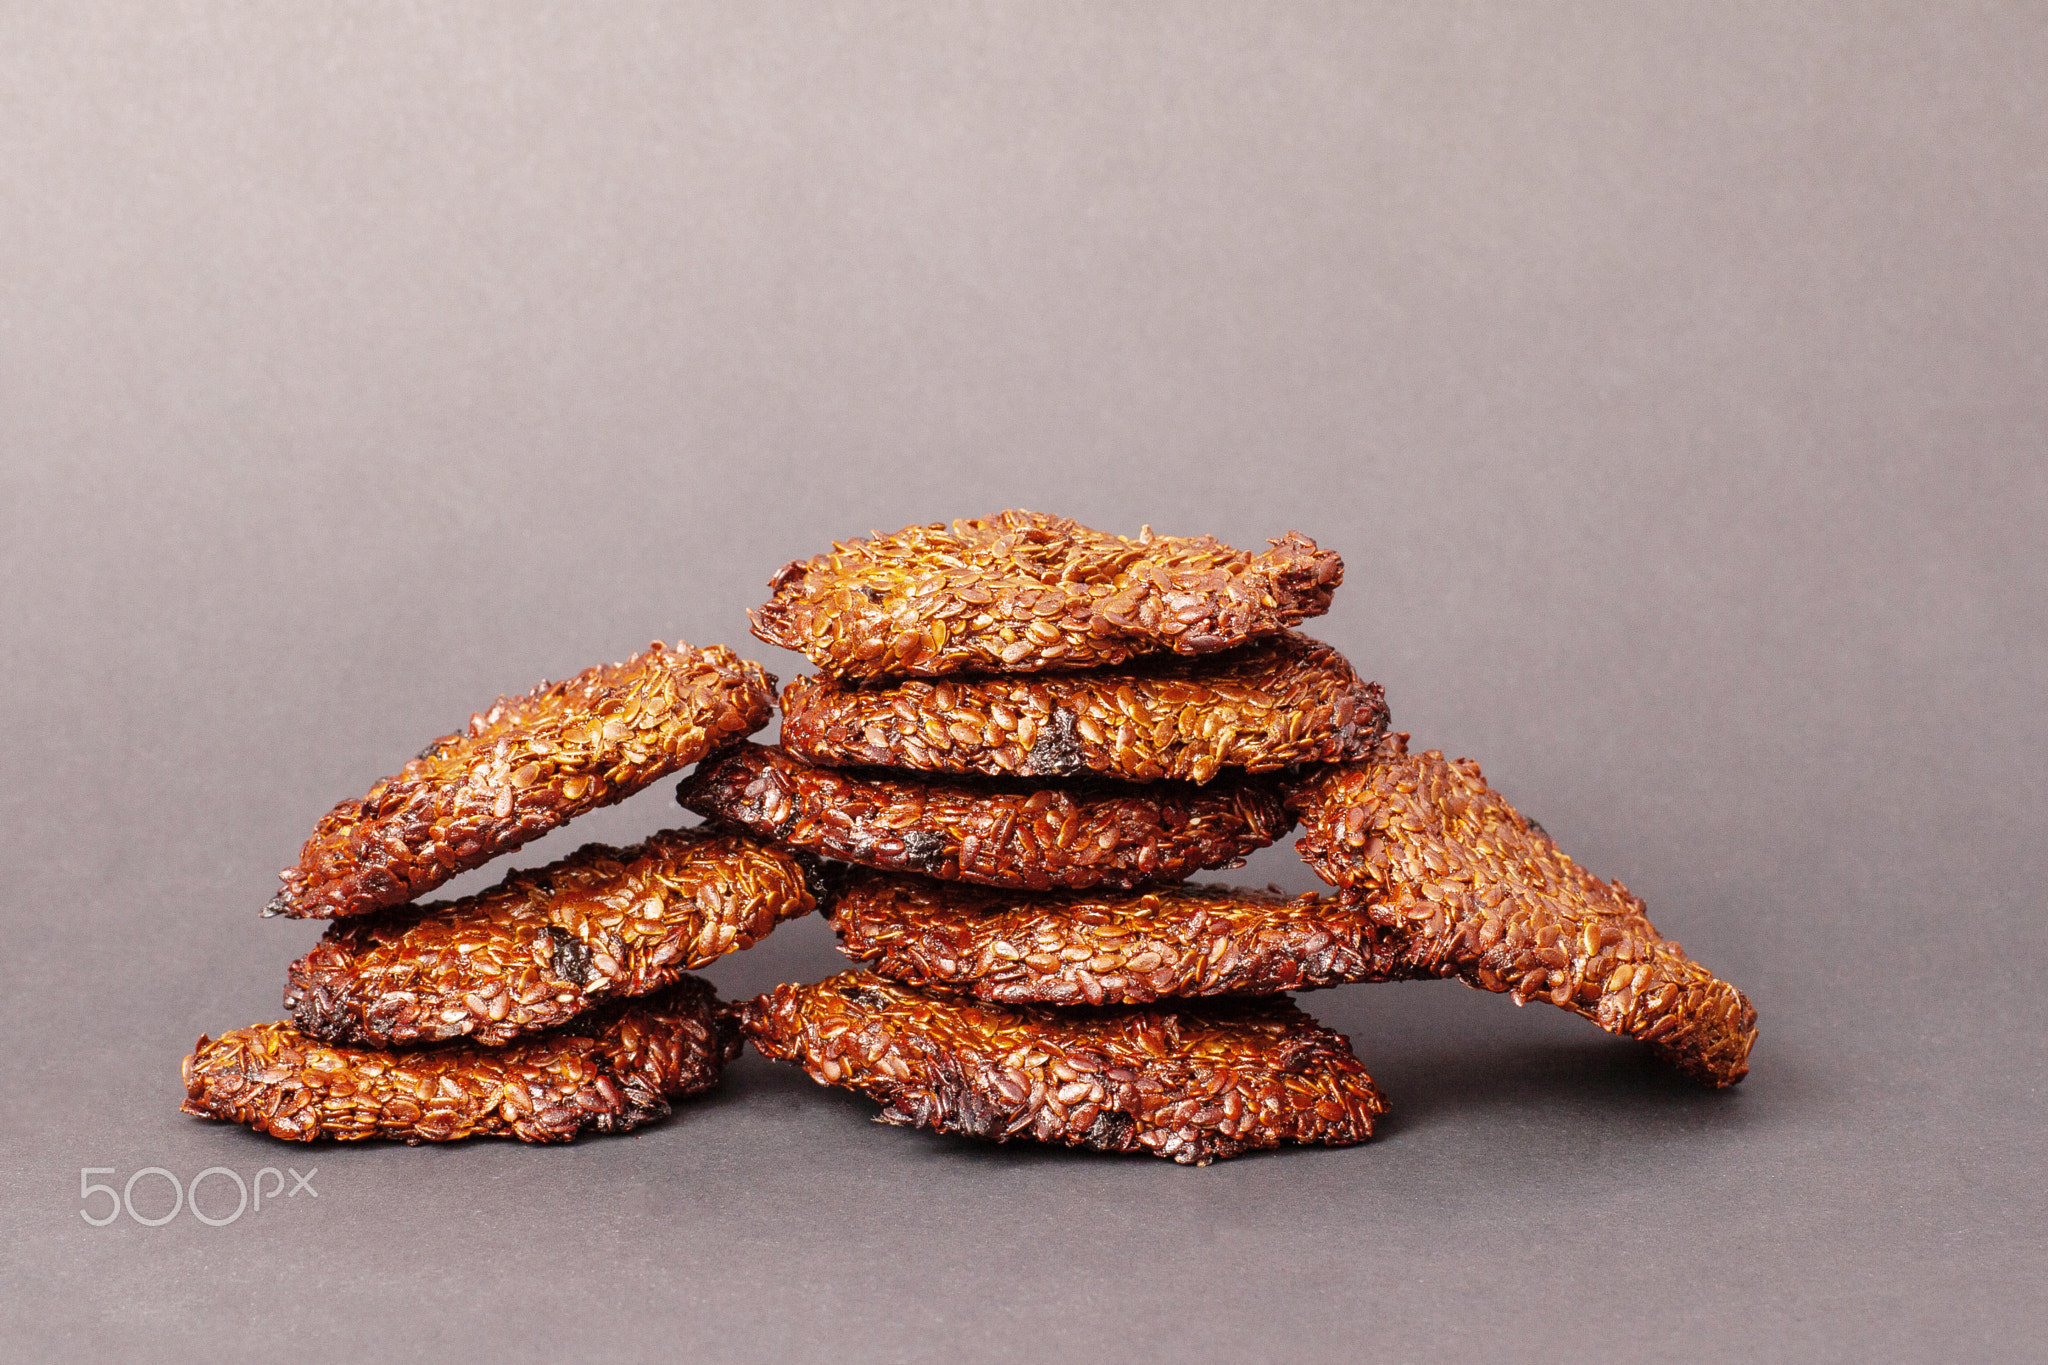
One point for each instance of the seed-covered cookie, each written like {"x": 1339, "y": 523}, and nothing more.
{"x": 989, "y": 831}
{"x": 523, "y": 767}
{"x": 1022, "y": 591}
{"x": 547, "y": 944}
{"x": 607, "y": 1071}
{"x": 1284, "y": 701}
{"x": 1459, "y": 883}
{"x": 1113, "y": 947}
{"x": 1193, "y": 1084}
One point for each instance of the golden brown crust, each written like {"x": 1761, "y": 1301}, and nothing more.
{"x": 523, "y": 767}
{"x": 1268, "y": 706}
{"x": 1193, "y": 1084}
{"x": 1096, "y": 948}
{"x": 608, "y": 1071}
{"x": 546, "y": 944}
{"x": 992, "y": 832}
{"x": 1022, "y": 591}
{"x": 1468, "y": 887}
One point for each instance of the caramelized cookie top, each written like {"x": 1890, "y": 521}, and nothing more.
{"x": 1022, "y": 591}
{"x": 523, "y": 767}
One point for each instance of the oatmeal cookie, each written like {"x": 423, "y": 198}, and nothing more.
{"x": 1021, "y": 591}
{"x": 1461, "y": 884}
{"x": 991, "y": 832}
{"x": 609, "y": 1071}
{"x": 547, "y": 944}
{"x": 1268, "y": 706}
{"x": 1193, "y": 1084}
{"x": 523, "y": 767}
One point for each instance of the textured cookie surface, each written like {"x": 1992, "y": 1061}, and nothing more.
{"x": 608, "y": 1072}
{"x": 1284, "y": 701}
{"x": 523, "y": 767}
{"x": 1193, "y": 1084}
{"x": 1022, "y": 591}
{"x": 1129, "y": 947}
{"x": 546, "y": 944}
{"x": 997, "y": 833}
{"x": 1459, "y": 883}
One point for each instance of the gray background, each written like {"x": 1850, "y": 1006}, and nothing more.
{"x": 1671, "y": 378}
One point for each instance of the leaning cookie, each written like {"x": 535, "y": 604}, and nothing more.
{"x": 1268, "y": 706}
{"x": 1021, "y": 591}
{"x": 523, "y": 767}
{"x": 609, "y": 1072}
{"x": 547, "y": 944}
{"x": 995, "y": 833}
{"x": 1113, "y": 947}
{"x": 1193, "y": 1084}
{"x": 1458, "y": 883}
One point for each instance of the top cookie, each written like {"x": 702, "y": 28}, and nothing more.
{"x": 522, "y": 768}
{"x": 1022, "y": 591}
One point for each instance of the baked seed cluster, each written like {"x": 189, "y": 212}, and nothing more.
{"x": 1452, "y": 881}
{"x": 607, "y": 1071}
{"x": 547, "y": 944}
{"x": 1013, "y": 834}
{"x": 1021, "y": 592}
{"x": 523, "y": 767}
{"x": 1191, "y": 1083}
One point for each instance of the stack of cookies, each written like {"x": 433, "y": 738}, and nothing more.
{"x": 1025, "y": 735}
{"x": 557, "y": 1001}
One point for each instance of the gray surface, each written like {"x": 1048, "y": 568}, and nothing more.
{"x": 1672, "y": 384}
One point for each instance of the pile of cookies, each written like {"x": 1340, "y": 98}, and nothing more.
{"x": 556, "y": 1001}
{"x": 1022, "y": 739}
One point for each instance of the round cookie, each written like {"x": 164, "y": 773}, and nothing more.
{"x": 608, "y": 1071}
{"x": 1192, "y": 1084}
{"x": 996, "y": 833}
{"x": 1266, "y": 707}
{"x": 1021, "y": 591}
{"x": 522, "y": 768}
{"x": 547, "y": 944}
